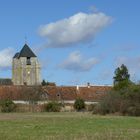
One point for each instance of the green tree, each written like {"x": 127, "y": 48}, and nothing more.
{"x": 121, "y": 78}
{"x": 43, "y": 83}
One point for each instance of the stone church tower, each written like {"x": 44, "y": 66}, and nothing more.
{"x": 25, "y": 68}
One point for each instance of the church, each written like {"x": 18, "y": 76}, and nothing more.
{"x": 26, "y": 71}
{"x": 26, "y": 68}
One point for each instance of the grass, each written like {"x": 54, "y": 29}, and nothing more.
{"x": 67, "y": 126}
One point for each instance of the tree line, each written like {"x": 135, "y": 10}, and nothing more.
{"x": 124, "y": 98}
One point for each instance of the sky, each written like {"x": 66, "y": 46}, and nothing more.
{"x": 76, "y": 41}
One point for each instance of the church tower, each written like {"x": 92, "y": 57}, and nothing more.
{"x": 26, "y": 68}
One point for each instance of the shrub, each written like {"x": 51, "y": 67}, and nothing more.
{"x": 52, "y": 107}
{"x": 132, "y": 96}
{"x": 98, "y": 109}
{"x": 134, "y": 110}
{"x": 124, "y": 102}
{"x": 90, "y": 107}
{"x": 111, "y": 103}
{"x": 8, "y": 106}
{"x": 79, "y": 104}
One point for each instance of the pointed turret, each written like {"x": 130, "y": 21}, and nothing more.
{"x": 26, "y": 52}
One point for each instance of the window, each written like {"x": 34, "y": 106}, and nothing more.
{"x": 28, "y": 61}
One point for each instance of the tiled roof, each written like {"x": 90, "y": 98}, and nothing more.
{"x": 5, "y": 81}
{"x": 93, "y": 93}
{"x": 71, "y": 93}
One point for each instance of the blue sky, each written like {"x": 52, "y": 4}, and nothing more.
{"x": 76, "y": 41}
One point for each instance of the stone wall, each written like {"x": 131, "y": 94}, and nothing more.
{"x": 26, "y": 74}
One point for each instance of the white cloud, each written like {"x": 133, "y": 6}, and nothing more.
{"x": 6, "y": 58}
{"x": 78, "y": 63}
{"x": 79, "y": 28}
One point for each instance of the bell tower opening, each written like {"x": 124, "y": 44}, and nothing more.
{"x": 28, "y": 61}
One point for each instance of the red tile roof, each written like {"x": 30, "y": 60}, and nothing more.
{"x": 93, "y": 93}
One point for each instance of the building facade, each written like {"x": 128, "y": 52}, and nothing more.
{"x": 26, "y": 68}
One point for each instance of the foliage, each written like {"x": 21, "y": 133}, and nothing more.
{"x": 43, "y": 83}
{"x": 52, "y": 107}
{"x": 124, "y": 101}
{"x": 121, "y": 78}
{"x": 8, "y": 106}
{"x": 79, "y": 104}
{"x": 111, "y": 103}
{"x": 124, "y": 97}
{"x": 132, "y": 95}
{"x": 90, "y": 107}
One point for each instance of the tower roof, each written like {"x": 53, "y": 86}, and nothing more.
{"x": 25, "y": 52}
{"x": 16, "y": 55}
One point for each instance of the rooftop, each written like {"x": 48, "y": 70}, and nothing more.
{"x": 25, "y": 52}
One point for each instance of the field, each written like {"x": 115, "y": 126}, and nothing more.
{"x": 67, "y": 126}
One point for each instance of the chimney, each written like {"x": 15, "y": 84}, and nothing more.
{"x": 77, "y": 87}
{"x": 88, "y": 85}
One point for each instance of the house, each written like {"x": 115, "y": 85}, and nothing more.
{"x": 70, "y": 93}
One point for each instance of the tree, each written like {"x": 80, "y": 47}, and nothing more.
{"x": 121, "y": 78}
{"x": 43, "y": 83}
